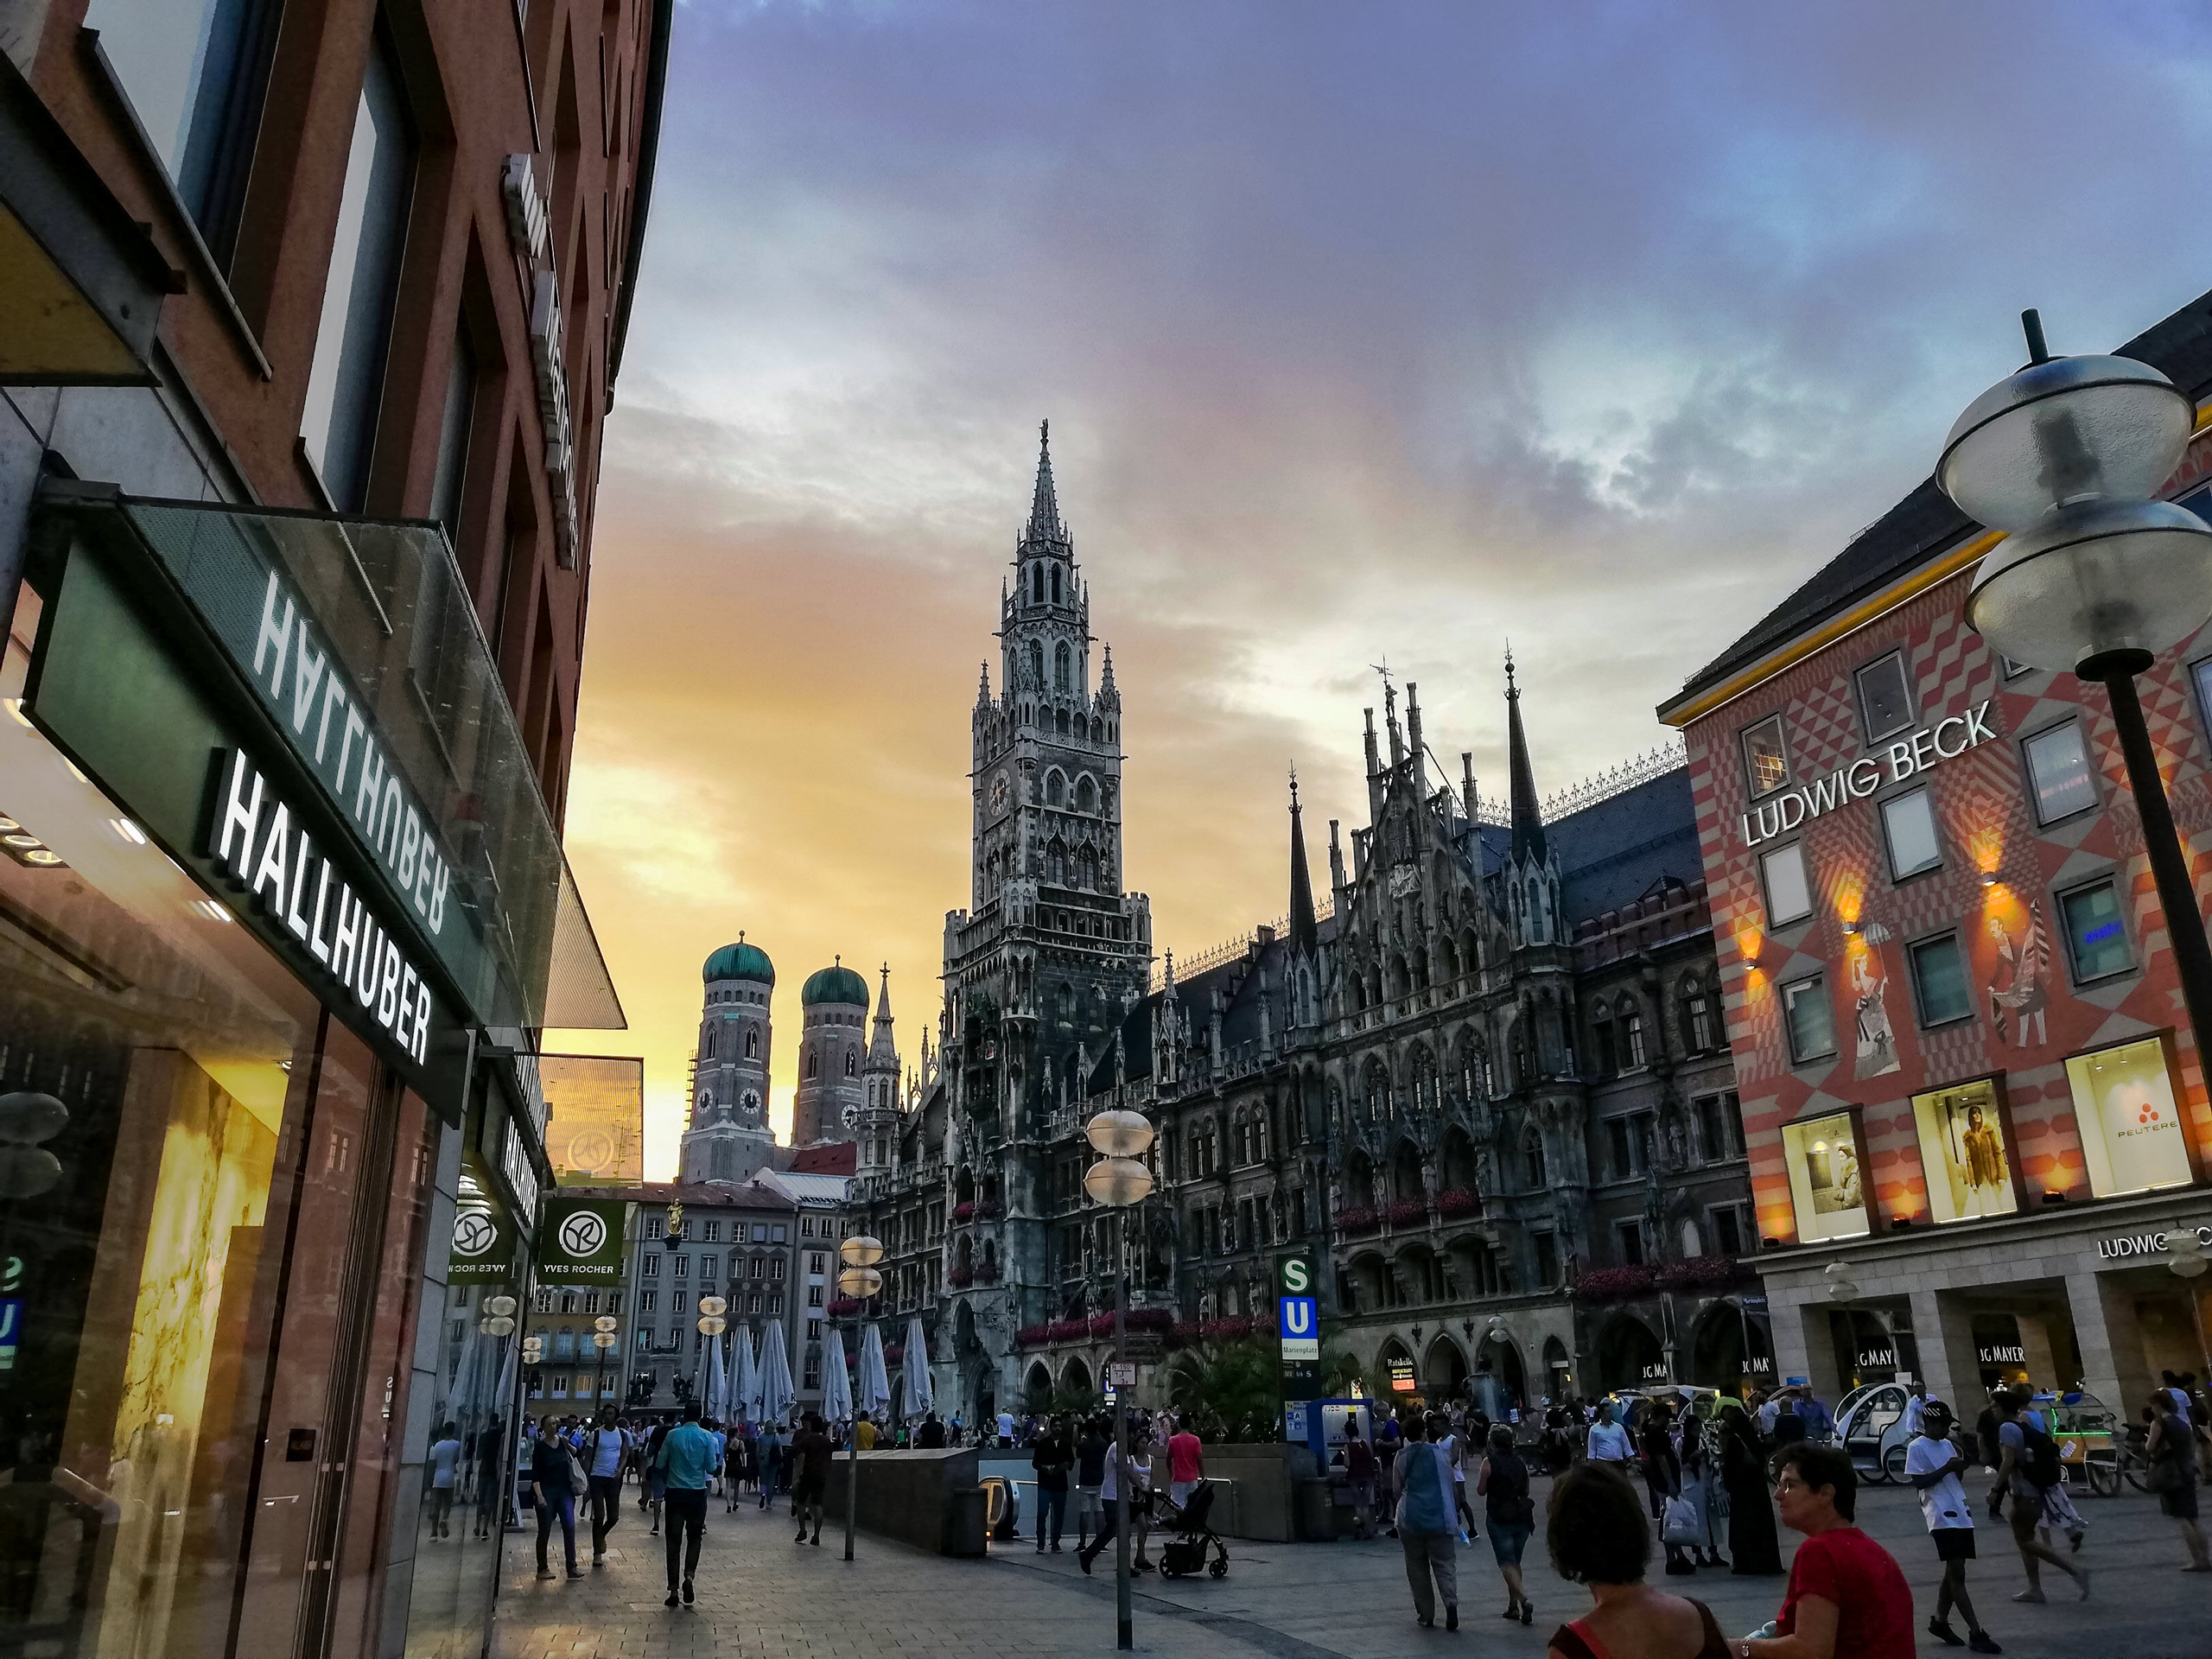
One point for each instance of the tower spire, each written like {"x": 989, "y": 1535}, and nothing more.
{"x": 1528, "y": 844}
{"x": 1305, "y": 931}
{"x": 881, "y": 1050}
{"x": 1044, "y": 506}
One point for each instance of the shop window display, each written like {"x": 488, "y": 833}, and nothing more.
{"x": 2096, "y": 938}
{"x": 2133, "y": 1137}
{"x": 1965, "y": 1151}
{"x": 206, "y": 1176}
{"x": 1825, "y": 1185}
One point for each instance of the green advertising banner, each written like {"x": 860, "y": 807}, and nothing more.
{"x": 483, "y": 1247}
{"x": 580, "y": 1241}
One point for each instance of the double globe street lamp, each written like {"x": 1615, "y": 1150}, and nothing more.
{"x": 1118, "y": 1180}
{"x": 859, "y": 1280}
{"x": 2093, "y": 575}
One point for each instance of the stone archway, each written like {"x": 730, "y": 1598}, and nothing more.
{"x": 1397, "y": 1375}
{"x": 1720, "y": 1357}
{"x": 1443, "y": 1370}
{"x": 1076, "y": 1378}
{"x": 1627, "y": 1352}
{"x": 1559, "y": 1370}
{"x": 1500, "y": 1373}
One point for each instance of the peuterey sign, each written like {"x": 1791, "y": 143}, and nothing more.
{"x": 1908, "y": 757}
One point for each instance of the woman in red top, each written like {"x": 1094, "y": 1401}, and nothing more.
{"x": 1846, "y": 1599}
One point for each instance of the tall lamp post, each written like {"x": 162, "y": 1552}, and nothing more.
{"x": 2093, "y": 574}
{"x": 1119, "y": 1180}
{"x": 603, "y": 1341}
{"x": 859, "y": 1280}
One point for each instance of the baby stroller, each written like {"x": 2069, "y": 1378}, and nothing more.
{"x": 1194, "y": 1545}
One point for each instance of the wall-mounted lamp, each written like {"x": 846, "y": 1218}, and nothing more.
{"x": 1851, "y": 928}
{"x": 1989, "y": 878}
{"x": 2054, "y": 1198}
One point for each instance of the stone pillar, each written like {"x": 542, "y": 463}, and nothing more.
{"x": 2113, "y": 1365}
{"x": 1804, "y": 1342}
{"x": 1950, "y": 1365}
{"x": 2038, "y": 1355}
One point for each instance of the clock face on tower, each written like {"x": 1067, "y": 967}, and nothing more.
{"x": 1000, "y": 792}
{"x": 851, "y": 1116}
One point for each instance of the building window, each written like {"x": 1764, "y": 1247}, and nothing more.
{"x": 1617, "y": 1142}
{"x": 806, "y": 1226}
{"x": 1632, "y": 1036}
{"x": 645, "y": 1338}
{"x": 1885, "y": 696}
{"x": 1628, "y": 1240}
{"x": 683, "y": 1267}
{"x": 1697, "y": 1021}
{"x": 1719, "y": 1128}
{"x": 544, "y": 1302}
{"x": 713, "y": 1234}
{"x": 1809, "y": 1018}
{"x": 649, "y": 1265}
{"x": 2201, "y": 674}
{"x": 814, "y": 1330}
{"x": 709, "y": 1265}
{"x": 1546, "y": 1250}
{"x": 196, "y": 72}
{"x": 453, "y": 427}
{"x": 2058, "y": 769}
{"x": 654, "y": 1226}
{"x": 676, "y": 1302}
{"x": 1766, "y": 762}
{"x": 346, "y": 376}
{"x": 817, "y": 1261}
{"x": 2096, "y": 937}
{"x": 1909, "y": 822}
{"x": 1939, "y": 980}
{"x": 648, "y": 1301}
{"x": 775, "y": 1303}
{"x": 776, "y": 1234}
{"x": 814, "y": 1295}
{"x": 1788, "y": 889}
{"x": 1726, "y": 1227}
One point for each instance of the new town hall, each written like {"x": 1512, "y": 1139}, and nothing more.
{"x": 1486, "y": 1078}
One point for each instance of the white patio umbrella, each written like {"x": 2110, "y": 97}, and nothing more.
{"x": 714, "y": 1396}
{"x": 921, "y": 1393}
{"x": 874, "y": 1380}
{"x": 772, "y": 1393}
{"x": 837, "y": 1387}
{"x": 743, "y": 1374}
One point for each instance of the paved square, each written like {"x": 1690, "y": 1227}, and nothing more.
{"x": 762, "y": 1595}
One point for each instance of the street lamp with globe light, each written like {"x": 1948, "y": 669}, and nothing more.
{"x": 603, "y": 1341}
{"x": 1118, "y": 1180}
{"x": 2093, "y": 575}
{"x": 859, "y": 1280}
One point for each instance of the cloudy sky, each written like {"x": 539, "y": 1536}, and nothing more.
{"x": 1364, "y": 329}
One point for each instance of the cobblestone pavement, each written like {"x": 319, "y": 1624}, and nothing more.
{"x": 761, "y": 1595}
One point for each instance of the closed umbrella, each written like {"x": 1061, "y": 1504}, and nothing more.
{"x": 921, "y": 1393}
{"x": 717, "y": 1390}
{"x": 743, "y": 1375}
{"x": 874, "y": 1380}
{"x": 772, "y": 1393}
{"x": 837, "y": 1387}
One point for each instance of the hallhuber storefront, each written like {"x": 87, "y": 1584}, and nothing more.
{"x": 279, "y": 906}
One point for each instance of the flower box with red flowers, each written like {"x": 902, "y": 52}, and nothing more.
{"x": 961, "y": 1278}
{"x": 963, "y": 1212}
{"x": 1409, "y": 1212}
{"x": 1614, "y": 1284}
{"x": 844, "y": 1307}
{"x": 987, "y": 1273}
{"x": 1458, "y": 1201}
{"x": 987, "y": 1209}
{"x": 1029, "y": 1336}
{"x": 1358, "y": 1221}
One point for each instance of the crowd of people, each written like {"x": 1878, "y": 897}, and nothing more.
{"x": 1626, "y": 1473}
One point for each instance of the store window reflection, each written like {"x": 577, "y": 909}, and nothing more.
{"x": 209, "y": 1319}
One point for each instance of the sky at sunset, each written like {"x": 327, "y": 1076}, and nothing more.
{"x": 1363, "y": 329}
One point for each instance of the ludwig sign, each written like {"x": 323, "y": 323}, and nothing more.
{"x": 1945, "y": 739}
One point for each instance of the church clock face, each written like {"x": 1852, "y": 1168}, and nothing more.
{"x": 1000, "y": 793}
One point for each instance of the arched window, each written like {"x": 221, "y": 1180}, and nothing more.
{"x": 1056, "y": 863}
{"x": 812, "y": 1061}
{"x": 1063, "y": 722}
{"x": 1532, "y": 1161}
{"x": 1056, "y": 584}
{"x": 1698, "y": 1033}
{"x": 1062, "y": 677}
{"x": 1037, "y": 664}
{"x": 852, "y": 1063}
{"x": 1601, "y": 1041}
{"x": 1086, "y": 796}
{"x": 751, "y": 1045}
{"x": 1056, "y": 788}
{"x": 1037, "y": 584}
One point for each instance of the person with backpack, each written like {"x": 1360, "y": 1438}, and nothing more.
{"x": 2174, "y": 1473}
{"x": 2027, "y": 1465}
{"x": 1503, "y": 1485}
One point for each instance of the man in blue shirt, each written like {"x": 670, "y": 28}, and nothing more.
{"x": 1428, "y": 1528}
{"x": 685, "y": 1460}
